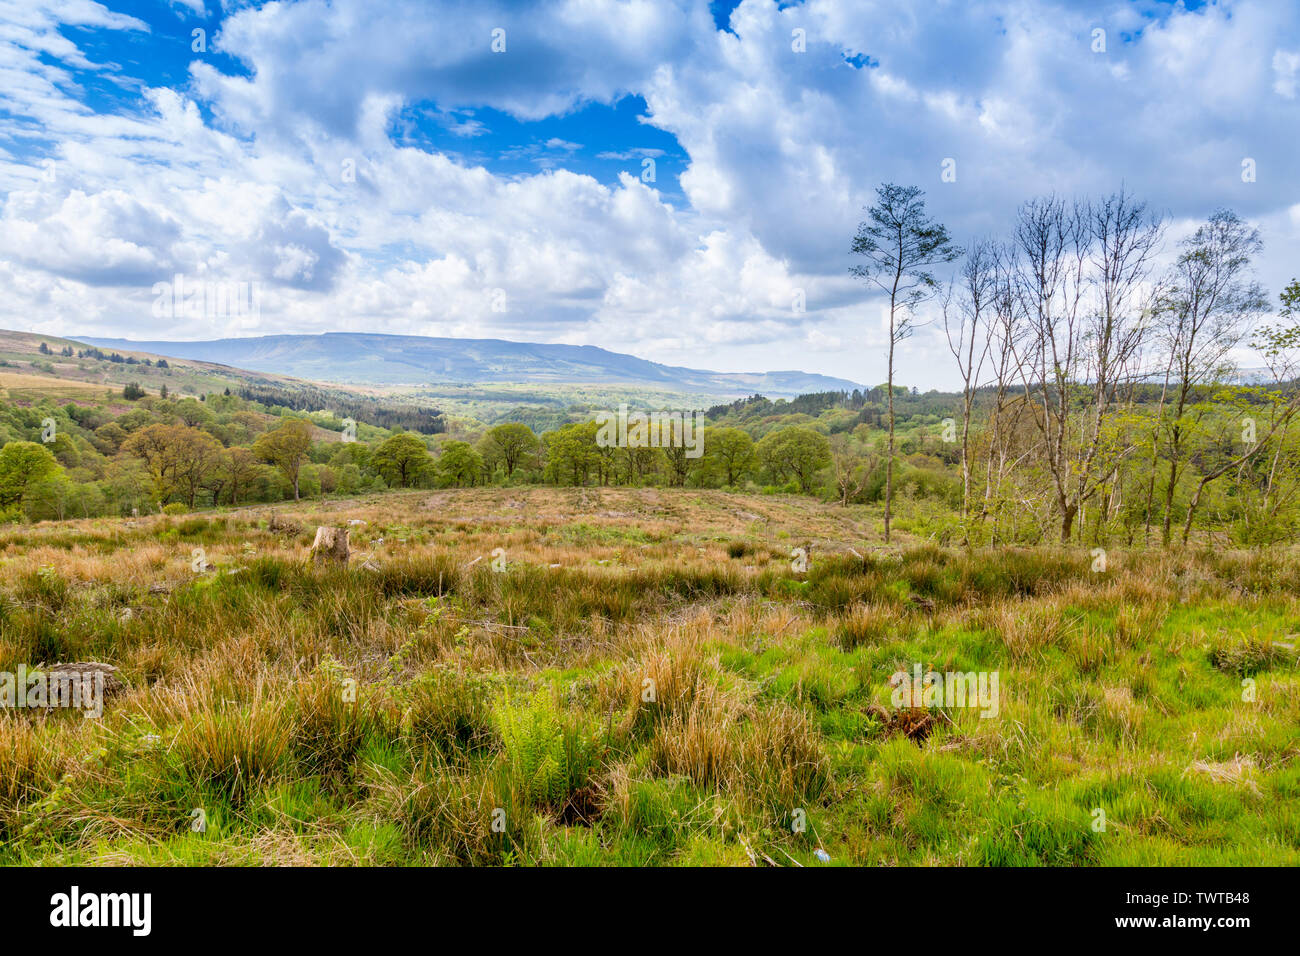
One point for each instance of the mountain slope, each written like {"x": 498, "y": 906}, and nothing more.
{"x": 376, "y": 359}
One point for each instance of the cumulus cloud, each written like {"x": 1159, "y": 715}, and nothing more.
{"x": 316, "y": 63}
{"x": 109, "y": 238}
{"x": 290, "y": 157}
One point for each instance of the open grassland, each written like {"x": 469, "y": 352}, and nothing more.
{"x": 17, "y": 386}
{"x": 639, "y": 677}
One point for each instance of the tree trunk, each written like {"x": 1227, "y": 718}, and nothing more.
{"x": 889, "y": 462}
{"x": 965, "y": 473}
{"x": 1191, "y": 509}
{"x": 1166, "y": 534}
{"x": 1151, "y": 495}
{"x": 1067, "y": 521}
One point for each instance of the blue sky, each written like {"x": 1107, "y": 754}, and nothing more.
{"x": 661, "y": 178}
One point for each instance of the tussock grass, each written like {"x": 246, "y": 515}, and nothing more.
{"x": 648, "y": 680}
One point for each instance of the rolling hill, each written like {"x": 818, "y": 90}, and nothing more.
{"x": 377, "y": 359}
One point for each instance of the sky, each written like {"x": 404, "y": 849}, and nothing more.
{"x": 667, "y": 178}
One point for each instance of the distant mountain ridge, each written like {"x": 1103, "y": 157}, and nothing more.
{"x": 373, "y": 358}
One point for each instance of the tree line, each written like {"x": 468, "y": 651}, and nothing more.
{"x": 1098, "y": 386}
{"x": 1099, "y": 403}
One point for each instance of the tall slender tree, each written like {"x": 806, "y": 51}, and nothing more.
{"x": 1081, "y": 278}
{"x": 900, "y": 244}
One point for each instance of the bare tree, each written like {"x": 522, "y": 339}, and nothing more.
{"x": 1124, "y": 239}
{"x": 1275, "y": 343}
{"x": 852, "y": 468}
{"x": 969, "y": 331}
{"x": 1082, "y": 277}
{"x": 1005, "y": 329}
{"x": 901, "y": 245}
{"x": 1209, "y": 307}
{"x": 1051, "y": 239}
{"x": 1166, "y": 339}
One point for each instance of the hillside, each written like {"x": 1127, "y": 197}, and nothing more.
{"x": 354, "y": 357}
{"x": 36, "y": 367}
{"x": 20, "y": 354}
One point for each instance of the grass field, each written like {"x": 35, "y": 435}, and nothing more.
{"x": 640, "y": 677}
{"x": 17, "y": 386}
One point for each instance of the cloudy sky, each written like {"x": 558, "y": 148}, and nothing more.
{"x": 661, "y": 178}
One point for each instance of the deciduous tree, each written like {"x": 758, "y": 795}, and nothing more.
{"x": 286, "y": 447}
{"x": 402, "y": 459}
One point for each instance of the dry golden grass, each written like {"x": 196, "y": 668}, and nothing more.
{"x": 25, "y": 386}
{"x": 646, "y": 679}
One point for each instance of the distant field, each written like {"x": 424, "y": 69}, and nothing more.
{"x": 637, "y": 676}
{"x": 542, "y": 404}
{"x": 23, "y": 387}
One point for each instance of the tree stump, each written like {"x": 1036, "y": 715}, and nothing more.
{"x": 83, "y": 685}
{"x": 282, "y": 525}
{"x": 80, "y": 670}
{"x": 331, "y": 546}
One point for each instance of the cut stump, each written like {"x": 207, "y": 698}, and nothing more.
{"x": 331, "y": 546}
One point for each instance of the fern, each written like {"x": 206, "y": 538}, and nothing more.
{"x": 547, "y": 755}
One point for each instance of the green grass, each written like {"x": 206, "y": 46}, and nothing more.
{"x": 685, "y": 710}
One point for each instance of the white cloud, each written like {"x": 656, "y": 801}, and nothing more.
{"x": 1286, "y": 68}
{"x": 195, "y": 7}
{"x": 109, "y": 238}
{"x": 241, "y": 176}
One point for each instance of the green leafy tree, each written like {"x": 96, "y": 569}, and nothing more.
{"x": 65, "y": 450}
{"x": 402, "y": 459}
{"x": 192, "y": 413}
{"x": 732, "y": 450}
{"x": 180, "y": 459}
{"x": 795, "y": 452}
{"x": 109, "y": 437}
{"x": 23, "y": 465}
{"x": 459, "y": 464}
{"x": 678, "y": 465}
{"x": 571, "y": 453}
{"x": 510, "y": 444}
{"x": 241, "y": 470}
{"x": 286, "y": 447}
